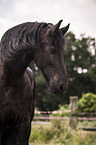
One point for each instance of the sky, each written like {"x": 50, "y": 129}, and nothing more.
{"x": 81, "y": 14}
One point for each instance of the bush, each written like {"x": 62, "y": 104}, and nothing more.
{"x": 87, "y": 103}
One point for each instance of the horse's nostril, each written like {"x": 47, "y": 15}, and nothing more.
{"x": 61, "y": 88}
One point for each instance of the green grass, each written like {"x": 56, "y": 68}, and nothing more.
{"x": 59, "y": 133}
{"x": 87, "y": 123}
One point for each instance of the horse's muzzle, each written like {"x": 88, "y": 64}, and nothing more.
{"x": 58, "y": 86}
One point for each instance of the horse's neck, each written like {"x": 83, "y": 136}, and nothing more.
{"x": 14, "y": 68}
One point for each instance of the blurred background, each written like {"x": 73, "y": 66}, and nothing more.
{"x": 80, "y": 56}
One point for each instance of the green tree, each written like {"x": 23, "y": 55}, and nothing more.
{"x": 80, "y": 59}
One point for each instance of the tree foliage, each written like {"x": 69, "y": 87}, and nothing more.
{"x": 87, "y": 103}
{"x": 80, "y": 61}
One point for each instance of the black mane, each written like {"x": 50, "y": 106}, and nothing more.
{"x": 20, "y": 36}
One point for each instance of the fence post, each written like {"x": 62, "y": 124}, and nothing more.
{"x": 73, "y": 108}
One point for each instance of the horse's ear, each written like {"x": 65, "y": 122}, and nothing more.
{"x": 56, "y": 28}
{"x": 65, "y": 29}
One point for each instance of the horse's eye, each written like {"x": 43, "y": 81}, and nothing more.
{"x": 53, "y": 50}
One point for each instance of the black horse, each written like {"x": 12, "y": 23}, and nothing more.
{"x": 45, "y": 44}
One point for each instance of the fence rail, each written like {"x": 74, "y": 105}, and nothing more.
{"x": 50, "y": 118}
{"x": 88, "y": 128}
{"x": 85, "y": 114}
{"x": 64, "y": 118}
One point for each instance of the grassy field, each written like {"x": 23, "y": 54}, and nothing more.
{"x": 59, "y": 133}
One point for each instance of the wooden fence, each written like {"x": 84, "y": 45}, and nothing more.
{"x": 74, "y": 115}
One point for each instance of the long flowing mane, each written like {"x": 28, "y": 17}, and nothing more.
{"x": 20, "y": 36}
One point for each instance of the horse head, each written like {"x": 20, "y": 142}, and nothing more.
{"x": 50, "y": 57}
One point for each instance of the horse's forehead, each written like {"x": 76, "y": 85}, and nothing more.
{"x": 48, "y": 40}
